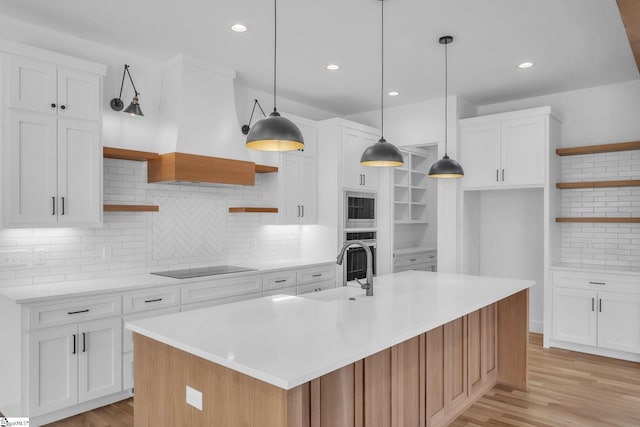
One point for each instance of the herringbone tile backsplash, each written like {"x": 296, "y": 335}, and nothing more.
{"x": 193, "y": 227}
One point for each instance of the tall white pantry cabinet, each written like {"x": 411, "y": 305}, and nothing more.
{"x": 52, "y": 150}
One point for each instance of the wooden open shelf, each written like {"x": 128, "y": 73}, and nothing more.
{"x": 599, "y": 184}
{"x": 253, "y": 210}
{"x": 266, "y": 169}
{"x": 131, "y": 208}
{"x": 122, "y": 154}
{"x": 602, "y": 219}
{"x": 604, "y": 148}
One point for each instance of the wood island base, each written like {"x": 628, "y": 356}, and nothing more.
{"x": 426, "y": 381}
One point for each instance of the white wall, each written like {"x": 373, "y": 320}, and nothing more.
{"x": 598, "y": 115}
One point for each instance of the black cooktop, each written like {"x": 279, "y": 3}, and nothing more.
{"x": 188, "y": 273}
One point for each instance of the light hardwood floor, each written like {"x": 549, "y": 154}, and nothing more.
{"x": 565, "y": 389}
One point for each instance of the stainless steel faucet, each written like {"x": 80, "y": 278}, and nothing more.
{"x": 368, "y": 285}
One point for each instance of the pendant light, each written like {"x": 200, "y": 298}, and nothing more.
{"x": 446, "y": 167}
{"x": 275, "y": 133}
{"x": 382, "y": 153}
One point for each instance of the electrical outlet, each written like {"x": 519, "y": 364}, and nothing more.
{"x": 194, "y": 398}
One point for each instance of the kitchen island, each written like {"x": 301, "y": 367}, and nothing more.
{"x": 418, "y": 352}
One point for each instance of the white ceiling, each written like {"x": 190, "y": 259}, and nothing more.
{"x": 573, "y": 43}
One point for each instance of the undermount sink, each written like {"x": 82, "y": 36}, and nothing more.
{"x": 343, "y": 292}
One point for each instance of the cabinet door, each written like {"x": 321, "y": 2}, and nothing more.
{"x": 574, "y": 316}
{"x": 523, "y": 151}
{"x": 290, "y": 204}
{"x": 100, "y": 359}
{"x": 307, "y": 190}
{"x": 619, "y": 321}
{"x": 33, "y": 85}
{"x": 53, "y": 369}
{"x": 352, "y": 147}
{"x": 480, "y": 158}
{"x": 32, "y": 169}
{"x": 79, "y": 184}
{"x": 79, "y": 95}
{"x": 370, "y": 178}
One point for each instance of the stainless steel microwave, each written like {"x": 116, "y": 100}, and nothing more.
{"x": 359, "y": 209}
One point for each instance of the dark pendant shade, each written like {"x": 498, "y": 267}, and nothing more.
{"x": 134, "y": 108}
{"x": 382, "y": 154}
{"x": 275, "y": 133}
{"x": 446, "y": 168}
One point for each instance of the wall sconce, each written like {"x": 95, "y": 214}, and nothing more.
{"x": 246, "y": 128}
{"x": 117, "y": 104}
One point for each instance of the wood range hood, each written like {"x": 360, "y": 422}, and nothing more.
{"x": 190, "y": 168}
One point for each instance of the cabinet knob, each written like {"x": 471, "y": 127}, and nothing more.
{"x": 62, "y": 107}
{"x": 53, "y": 105}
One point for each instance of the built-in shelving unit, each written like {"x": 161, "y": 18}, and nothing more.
{"x": 597, "y": 149}
{"x": 131, "y": 208}
{"x": 410, "y": 190}
{"x": 252, "y": 210}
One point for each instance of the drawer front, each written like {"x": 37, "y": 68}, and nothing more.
{"x": 317, "y": 274}
{"x": 211, "y": 303}
{"x": 150, "y": 299}
{"x": 432, "y": 256}
{"x": 74, "y": 311}
{"x": 596, "y": 281}
{"x": 280, "y": 279}
{"x": 409, "y": 259}
{"x": 127, "y": 335}
{"x": 279, "y": 291}
{"x": 222, "y": 288}
{"x": 316, "y": 287}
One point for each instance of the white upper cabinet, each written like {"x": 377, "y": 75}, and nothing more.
{"x": 46, "y": 88}
{"x": 299, "y": 190}
{"x": 51, "y": 143}
{"x": 506, "y": 150}
{"x": 354, "y": 175}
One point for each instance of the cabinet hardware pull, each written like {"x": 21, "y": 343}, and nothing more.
{"x": 84, "y": 342}
{"x": 593, "y": 302}
{"x": 413, "y": 259}
{"x": 62, "y": 205}
{"x": 364, "y": 179}
{"x": 302, "y": 210}
{"x": 74, "y": 344}
{"x": 86, "y": 310}
{"x": 316, "y": 275}
{"x": 62, "y": 107}
{"x": 600, "y": 305}
{"x": 53, "y": 205}
{"x": 432, "y": 257}
{"x": 502, "y": 175}
{"x": 597, "y": 283}
{"x": 497, "y": 176}
{"x": 281, "y": 280}
{"x": 153, "y": 300}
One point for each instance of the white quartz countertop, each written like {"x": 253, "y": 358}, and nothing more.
{"x": 76, "y": 288}
{"x": 287, "y": 340}
{"x": 413, "y": 250}
{"x": 614, "y": 269}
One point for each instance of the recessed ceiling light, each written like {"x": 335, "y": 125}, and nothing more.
{"x": 333, "y": 67}
{"x": 525, "y": 65}
{"x": 394, "y": 93}
{"x": 239, "y": 28}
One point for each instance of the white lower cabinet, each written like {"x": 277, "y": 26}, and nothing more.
{"x": 418, "y": 260}
{"x": 74, "y": 364}
{"x": 599, "y": 310}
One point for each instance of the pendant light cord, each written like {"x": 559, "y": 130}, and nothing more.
{"x": 275, "y": 50}
{"x": 382, "y": 71}
{"x": 446, "y": 109}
